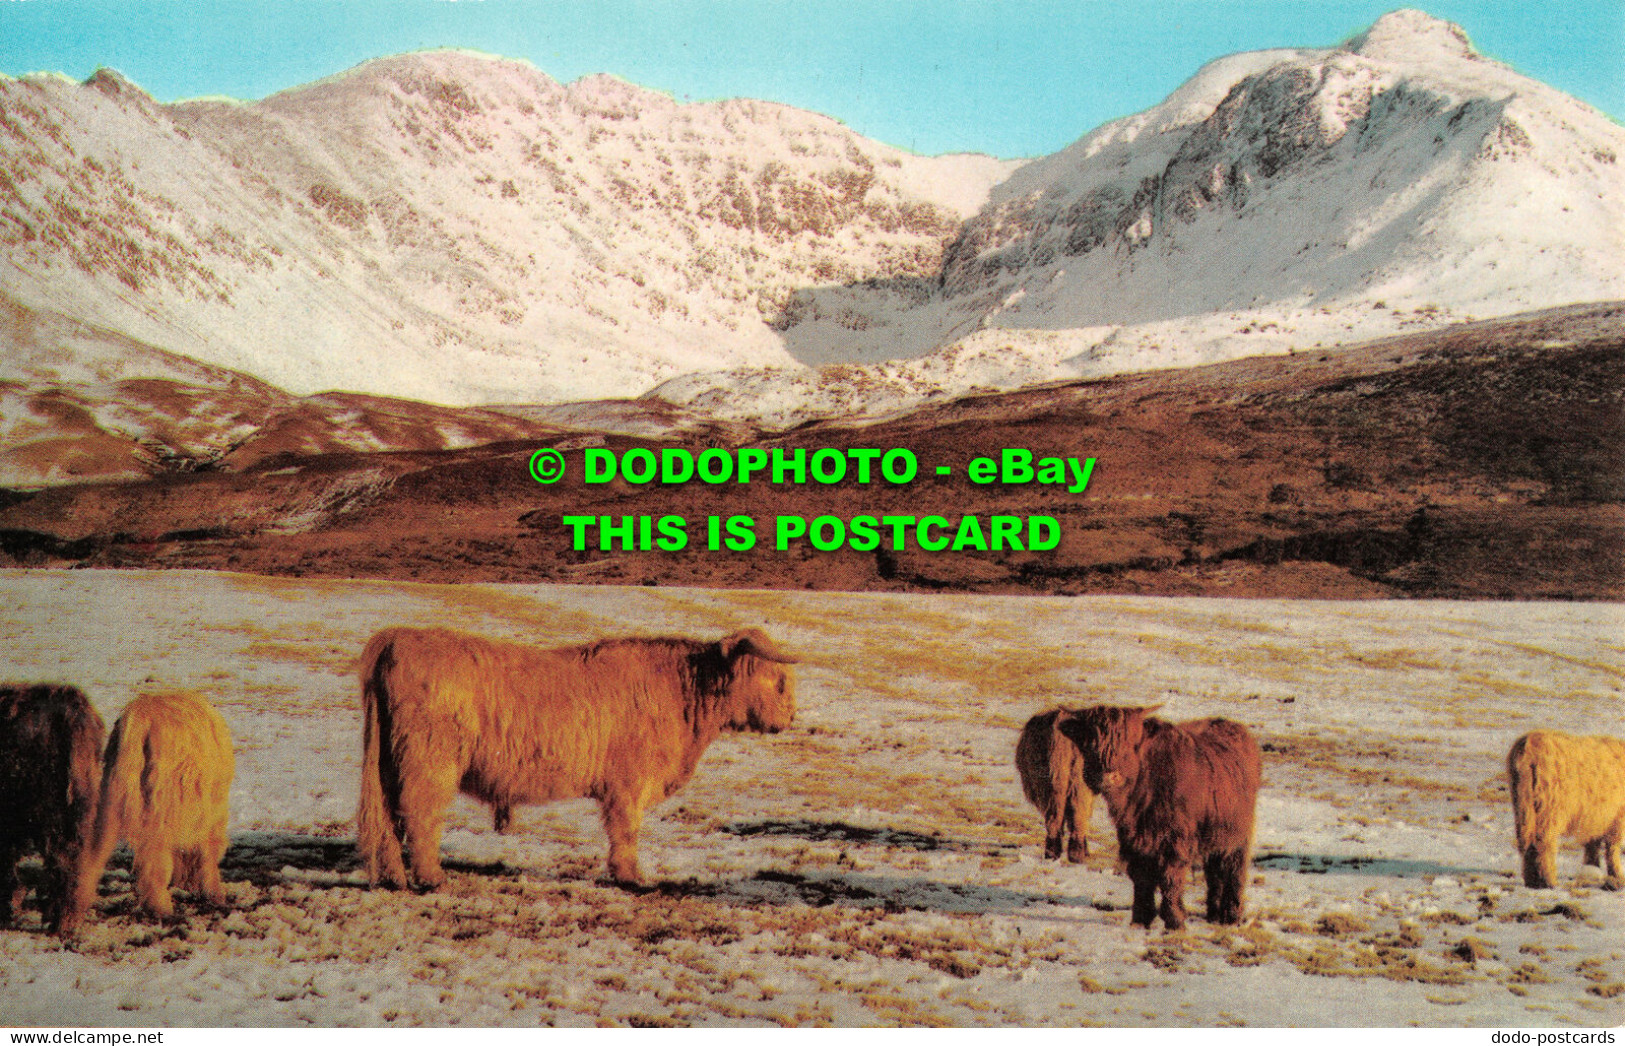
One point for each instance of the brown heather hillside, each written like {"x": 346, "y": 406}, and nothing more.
{"x": 1483, "y": 462}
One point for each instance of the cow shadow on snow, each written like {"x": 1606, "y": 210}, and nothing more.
{"x": 270, "y": 858}
{"x": 842, "y": 832}
{"x": 1387, "y": 867}
{"x": 265, "y": 858}
{"x": 277, "y": 857}
{"x": 892, "y": 893}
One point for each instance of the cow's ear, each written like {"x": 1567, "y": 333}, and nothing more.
{"x": 753, "y": 641}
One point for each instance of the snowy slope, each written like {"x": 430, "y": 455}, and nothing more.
{"x": 453, "y": 227}
{"x": 1402, "y": 167}
{"x": 1279, "y": 199}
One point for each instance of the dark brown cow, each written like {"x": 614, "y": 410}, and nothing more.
{"x": 623, "y": 721}
{"x": 1051, "y": 772}
{"x": 50, "y": 770}
{"x": 1178, "y": 793}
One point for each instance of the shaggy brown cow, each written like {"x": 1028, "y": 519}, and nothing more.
{"x": 1563, "y": 785}
{"x": 165, "y": 787}
{"x": 50, "y": 763}
{"x": 1177, "y": 793}
{"x": 623, "y": 721}
{"x": 1051, "y": 772}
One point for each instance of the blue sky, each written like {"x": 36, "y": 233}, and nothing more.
{"x": 1008, "y": 77}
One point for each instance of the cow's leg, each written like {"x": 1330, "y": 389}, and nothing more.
{"x": 64, "y": 908}
{"x": 424, "y": 799}
{"x": 1539, "y": 865}
{"x": 1226, "y": 884}
{"x": 623, "y": 818}
{"x": 1172, "y": 884}
{"x": 154, "y": 870}
{"x": 1143, "y": 874}
{"x": 502, "y": 819}
{"x": 1054, "y": 826}
{"x": 1610, "y": 852}
{"x": 1213, "y": 872}
{"x": 210, "y": 855}
{"x": 1079, "y": 807}
{"x": 1594, "y": 851}
{"x": 428, "y": 778}
{"x": 53, "y": 878}
{"x": 11, "y": 885}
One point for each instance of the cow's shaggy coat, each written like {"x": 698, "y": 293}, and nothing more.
{"x": 1051, "y": 771}
{"x": 623, "y": 721}
{"x": 1178, "y": 793}
{"x": 1567, "y": 786}
{"x": 165, "y": 788}
{"x": 50, "y": 768}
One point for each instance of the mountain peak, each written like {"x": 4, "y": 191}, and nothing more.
{"x": 113, "y": 83}
{"x": 1411, "y": 34}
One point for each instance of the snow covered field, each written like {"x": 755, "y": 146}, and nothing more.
{"x": 876, "y": 864}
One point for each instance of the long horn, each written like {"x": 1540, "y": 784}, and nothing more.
{"x": 754, "y": 641}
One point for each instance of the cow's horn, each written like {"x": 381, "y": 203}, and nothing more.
{"x": 754, "y": 641}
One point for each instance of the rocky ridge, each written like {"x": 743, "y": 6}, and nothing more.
{"x": 453, "y": 227}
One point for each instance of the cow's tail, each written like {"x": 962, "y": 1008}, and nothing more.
{"x": 120, "y": 807}
{"x": 1522, "y": 776}
{"x": 1027, "y": 769}
{"x": 376, "y": 813}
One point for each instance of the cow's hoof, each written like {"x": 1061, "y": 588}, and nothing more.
{"x": 1613, "y": 884}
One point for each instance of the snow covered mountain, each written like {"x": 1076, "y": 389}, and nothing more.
{"x": 1401, "y": 166}
{"x": 1278, "y": 200}
{"x": 453, "y": 227}
{"x": 463, "y": 230}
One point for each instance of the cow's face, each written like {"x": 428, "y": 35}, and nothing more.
{"x": 764, "y": 696}
{"x": 1109, "y": 740}
{"x": 763, "y": 693}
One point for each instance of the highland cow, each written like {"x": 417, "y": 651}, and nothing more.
{"x": 50, "y": 764}
{"x": 1567, "y": 786}
{"x": 1178, "y": 793}
{"x": 1051, "y": 770}
{"x": 622, "y": 721}
{"x": 165, "y": 788}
